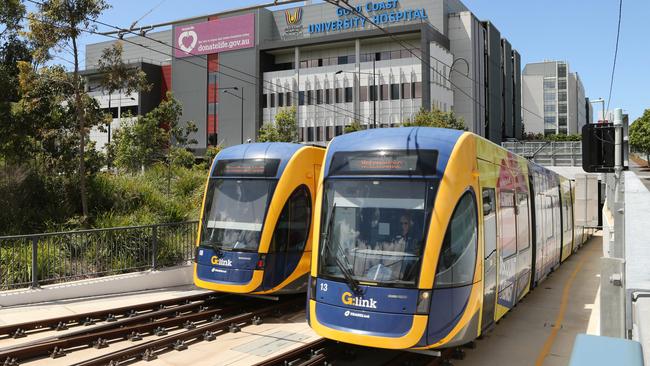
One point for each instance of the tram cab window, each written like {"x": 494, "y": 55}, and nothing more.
{"x": 292, "y": 229}
{"x": 458, "y": 253}
{"x": 376, "y": 228}
{"x": 236, "y": 213}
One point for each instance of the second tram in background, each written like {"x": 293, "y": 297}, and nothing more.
{"x": 427, "y": 237}
{"x": 255, "y": 228}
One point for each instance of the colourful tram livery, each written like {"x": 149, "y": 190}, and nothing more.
{"x": 424, "y": 236}
{"x": 255, "y": 228}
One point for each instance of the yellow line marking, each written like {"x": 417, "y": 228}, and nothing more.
{"x": 560, "y": 315}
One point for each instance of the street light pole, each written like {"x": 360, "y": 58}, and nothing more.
{"x": 602, "y": 101}
{"x": 374, "y": 91}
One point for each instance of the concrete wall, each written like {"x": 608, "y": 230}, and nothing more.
{"x": 517, "y": 94}
{"x": 130, "y": 282}
{"x": 532, "y": 98}
{"x": 138, "y": 48}
{"x": 466, "y": 42}
{"x": 572, "y": 104}
{"x": 229, "y": 108}
{"x": 508, "y": 92}
{"x": 494, "y": 84}
{"x": 437, "y": 11}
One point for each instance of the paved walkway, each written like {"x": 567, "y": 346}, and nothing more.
{"x": 542, "y": 328}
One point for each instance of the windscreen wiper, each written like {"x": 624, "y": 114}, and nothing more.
{"x": 345, "y": 269}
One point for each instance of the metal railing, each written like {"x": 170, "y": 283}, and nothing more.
{"x": 548, "y": 153}
{"x": 38, "y": 259}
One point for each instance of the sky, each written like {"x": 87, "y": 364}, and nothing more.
{"x": 583, "y": 33}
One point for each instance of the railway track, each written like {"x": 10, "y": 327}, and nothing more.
{"x": 190, "y": 319}
{"x": 21, "y": 330}
{"x": 326, "y": 352}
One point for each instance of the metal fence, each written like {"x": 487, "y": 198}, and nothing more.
{"x": 33, "y": 260}
{"x": 548, "y": 153}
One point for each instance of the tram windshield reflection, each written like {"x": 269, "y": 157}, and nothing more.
{"x": 377, "y": 229}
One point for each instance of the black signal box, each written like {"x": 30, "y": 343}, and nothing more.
{"x": 598, "y": 148}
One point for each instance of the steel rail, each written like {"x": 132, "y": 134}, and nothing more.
{"x": 57, "y": 348}
{"x": 147, "y": 351}
{"x": 173, "y": 311}
{"x": 61, "y": 323}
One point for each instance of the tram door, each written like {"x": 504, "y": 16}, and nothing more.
{"x": 490, "y": 257}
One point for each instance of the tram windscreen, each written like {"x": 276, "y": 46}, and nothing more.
{"x": 375, "y": 230}
{"x": 234, "y": 213}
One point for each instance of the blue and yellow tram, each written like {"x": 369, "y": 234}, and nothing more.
{"x": 255, "y": 228}
{"x": 424, "y": 236}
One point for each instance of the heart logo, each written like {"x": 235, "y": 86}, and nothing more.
{"x": 187, "y": 41}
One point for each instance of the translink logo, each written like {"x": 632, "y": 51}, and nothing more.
{"x": 220, "y": 261}
{"x": 348, "y": 299}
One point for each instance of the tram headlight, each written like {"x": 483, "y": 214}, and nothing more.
{"x": 424, "y": 302}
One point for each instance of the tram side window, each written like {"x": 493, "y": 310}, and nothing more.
{"x": 507, "y": 224}
{"x": 458, "y": 253}
{"x": 523, "y": 240}
{"x": 292, "y": 228}
{"x": 489, "y": 221}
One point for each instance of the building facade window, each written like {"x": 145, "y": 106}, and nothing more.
{"x": 338, "y": 95}
{"x": 549, "y": 83}
{"x": 265, "y": 100}
{"x": 363, "y": 94}
{"x": 383, "y": 92}
{"x": 319, "y": 96}
{"x": 301, "y": 97}
{"x": 416, "y": 90}
{"x": 348, "y": 94}
{"x": 394, "y": 91}
{"x": 272, "y": 100}
{"x": 280, "y": 99}
{"x": 549, "y": 108}
{"x": 328, "y": 96}
{"x": 561, "y": 95}
{"x": 289, "y": 101}
{"x": 406, "y": 90}
{"x": 310, "y": 97}
{"x": 549, "y": 96}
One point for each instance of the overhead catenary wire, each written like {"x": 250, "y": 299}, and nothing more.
{"x": 343, "y": 112}
{"x": 618, "y": 34}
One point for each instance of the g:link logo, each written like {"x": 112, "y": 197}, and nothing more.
{"x": 221, "y": 262}
{"x": 348, "y": 299}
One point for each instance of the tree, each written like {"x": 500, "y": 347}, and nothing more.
{"x": 118, "y": 76}
{"x": 57, "y": 25}
{"x": 285, "y": 128}
{"x": 640, "y": 134}
{"x": 436, "y": 118}
{"x": 156, "y": 136}
{"x": 353, "y": 127}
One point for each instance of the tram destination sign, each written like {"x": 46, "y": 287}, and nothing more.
{"x": 246, "y": 168}
{"x": 387, "y": 162}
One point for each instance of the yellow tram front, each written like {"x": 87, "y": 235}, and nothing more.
{"x": 396, "y": 252}
{"x": 255, "y": 228}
